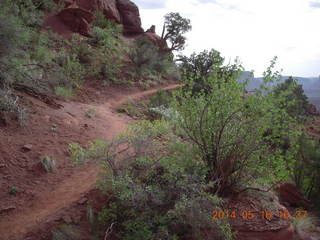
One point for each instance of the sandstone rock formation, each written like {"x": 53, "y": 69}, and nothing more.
{"x": 77, "y": 20}
{"x": 123, "y": 12}
{"x": 130, "y": 17}
{"x": 152, "y": 29}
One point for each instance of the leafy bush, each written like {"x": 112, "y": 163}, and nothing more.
{"x": 156, "y": 195}
{"x": 107, "y": 51}
{"x": 228, "y": 128}
{"x": 199, "y": 67}
{"x": 149, "y": 63}
{"x": 300, "y": 103}
{"x": 306, "y": 168}
{"x": 14, "y": 36}
{"x": 161, "y": 98}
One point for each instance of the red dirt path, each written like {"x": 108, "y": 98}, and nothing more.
{"x": 44, "y": 195}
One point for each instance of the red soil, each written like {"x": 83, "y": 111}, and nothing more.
{"x": 42, "y": 195}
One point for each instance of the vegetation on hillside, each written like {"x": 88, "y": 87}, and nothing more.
{"x": 47, "y": 64}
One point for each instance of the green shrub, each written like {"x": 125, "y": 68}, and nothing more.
{"x": 296, "y": 95}
{"x": 64, "y": 92}
{"x": 96, "y": 149}
{"x": 143, "y": 55}
{"x": 306, "y": 168}
{"x": 161, "y": 98}
{"x": 14, "y": 37}
{"x": 80, "y": 48}
{"x": 102, "y": 22}
{"x": 155, "y": 195}
{"x": 229, "y": 129}
{"x": 107, "y": 51}
{"x": 149, "y": 64}
{"x": 10, "y": 103}
{"x": 72, "y": 70}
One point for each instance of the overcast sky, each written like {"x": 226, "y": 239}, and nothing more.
{"x": 253, "y": 30}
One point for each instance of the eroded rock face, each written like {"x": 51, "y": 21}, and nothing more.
{"x": 123, "y": 12}
{"x": 130, "y": 17}
{"x": 76, "y": 19}
{"x": 154, "y": 38}
{"x": 108, "y": 7}
{"x": 152, "y": 29}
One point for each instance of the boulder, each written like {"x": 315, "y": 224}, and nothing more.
{"x": 76, "y": 19}
{"x": 130, "y": 17}
{"x": 290, "y": 194}
{"x": 258, "y": 227}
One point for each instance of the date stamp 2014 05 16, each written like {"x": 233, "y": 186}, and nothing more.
{"x": 249, "y": 214}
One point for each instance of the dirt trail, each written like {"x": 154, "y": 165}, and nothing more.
{"x": 71, "y": 189}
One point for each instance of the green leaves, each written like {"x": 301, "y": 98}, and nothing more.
{"x": 239, "y": 136}
{"x": 174, "y": 29}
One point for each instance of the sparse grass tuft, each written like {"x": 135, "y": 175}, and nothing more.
{"x": 13, "y": 191}
{"x": 64, "y": 92}
{"x": 48, "y": 163}
{"x": 9, "y": 103}
{"x": 66, "y": 232}
{"x": 90, "y": 113}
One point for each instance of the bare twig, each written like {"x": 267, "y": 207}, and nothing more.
{"x": 108, "y": 231}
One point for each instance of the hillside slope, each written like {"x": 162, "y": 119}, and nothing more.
{"x": 60, "y": 189}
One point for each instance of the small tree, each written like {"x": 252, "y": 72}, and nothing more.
{"x": 174, "y": 29}
{"x": 228, "y": 128}
{"x": 299, "y": 108}
{"x": 199, "y": 67}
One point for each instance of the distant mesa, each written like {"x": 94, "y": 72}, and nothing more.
{"x": 311, "y": 86}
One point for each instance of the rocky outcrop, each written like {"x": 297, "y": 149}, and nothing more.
{"x": 77, "y": 20}
{"x": 250, "y": 222}
{"x": 290, "y": 195}
{"x": 108, "y": 7}
{"x": 152, "y": 29}
{"x": 130, "y": 17}
{"x": 123, "y": 12}
{"x": 156, "y": 39}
